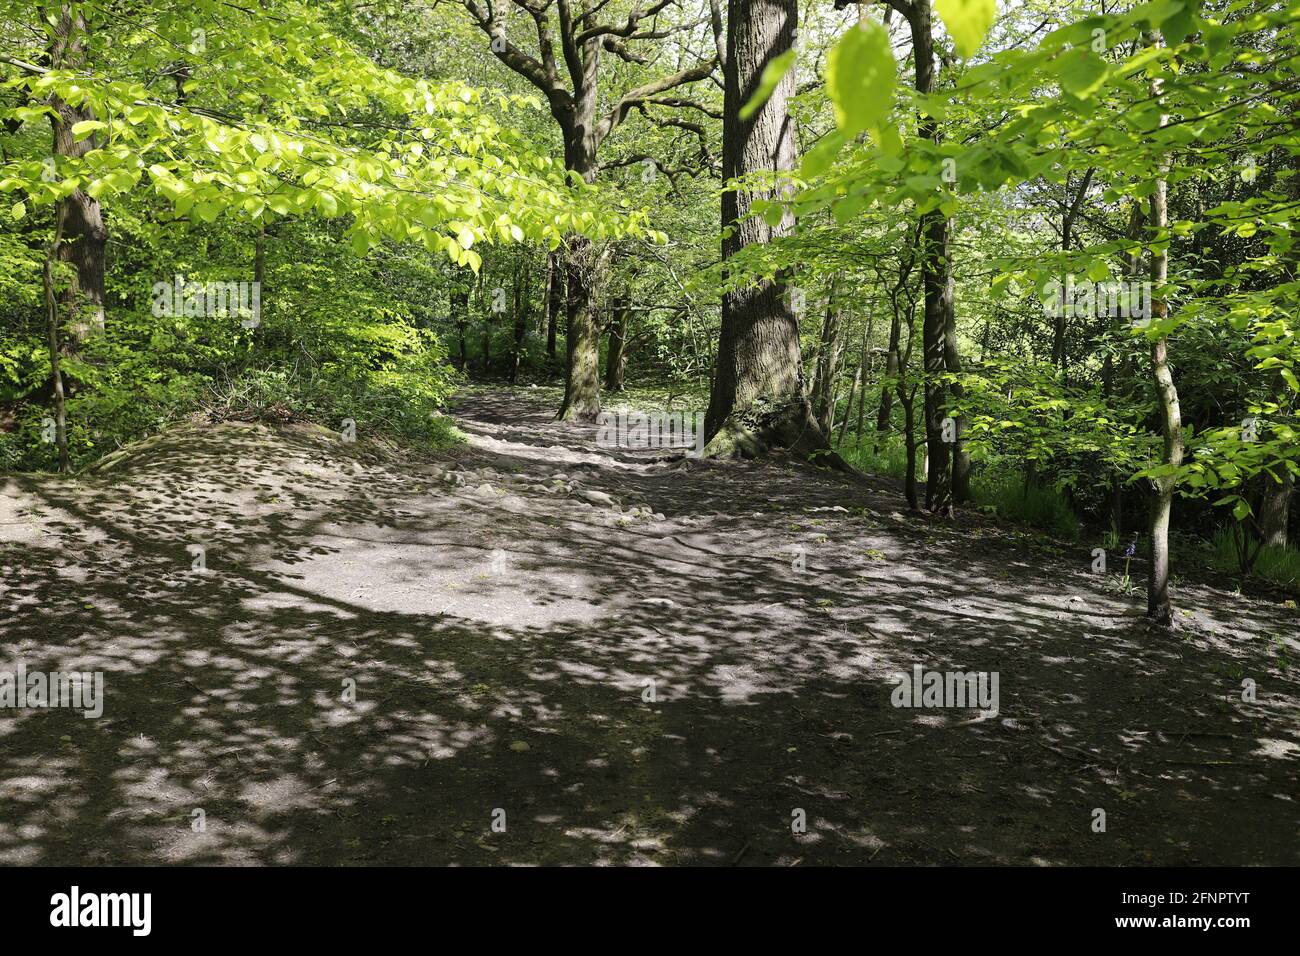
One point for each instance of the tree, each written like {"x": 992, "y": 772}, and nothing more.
{"x": 757, "y": 398}
{"x": 574, "y": 101}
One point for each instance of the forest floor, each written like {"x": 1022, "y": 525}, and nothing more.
{"x": 500, "y": 608}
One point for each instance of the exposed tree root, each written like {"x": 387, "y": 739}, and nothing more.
{"x": 791, "y": 428}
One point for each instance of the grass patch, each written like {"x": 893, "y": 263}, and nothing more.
{"x": 889, "y": 459}
{"x": 1280, "y": 566}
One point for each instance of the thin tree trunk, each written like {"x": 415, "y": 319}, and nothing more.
{"x": 554, "y": 299}
{"x": 459, "y": 315}
{"x": 614, "y": 358}
{"x": 828, "y": 365}
{"x": 865, "y": 364}
{"x": 1159, "y": 608}
{"x": 55, "y": 346}
{"x": 891, "y": 372}
{"x": 521, "y": 319}
{"x": 952, "y": 360}
{"x": 936, "y": 281}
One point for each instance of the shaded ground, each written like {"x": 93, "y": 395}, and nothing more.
{"x": 500, "y": 631}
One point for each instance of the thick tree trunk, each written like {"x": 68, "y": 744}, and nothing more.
{"x": 582, "y": 357}
{"x": 757, "y": 399}
{"x": 582, "y": 365}
{"x": 1275, "y": 510}
{"x": 84, "y": 235}
{"x": 614, "y": 357}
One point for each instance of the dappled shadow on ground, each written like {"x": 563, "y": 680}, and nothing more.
{"x": 670, "y": 685}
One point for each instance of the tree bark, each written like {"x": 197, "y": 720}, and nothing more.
{"x": 1275, "y": 510}
{"x": 84, "y": 235}
{"x": 1159, "y": 609}
{"x": 887, "y": 389}
{"x": 614, "y": 358}
{"x": 828, "y": 366}
{"x": 936, "y": 280}
{"x": 55, "y": 346}
{"x": 757, "y": 400}
{"x": 582, "y": 365}
{"x": 554, "y": 299}
{"x": 459, "y": 315}
{"x": 521, "y": 319}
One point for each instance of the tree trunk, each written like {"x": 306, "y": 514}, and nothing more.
{"x": 757, "y": 399}
{"x": 1275, "y": 510}
{"x": 936, "y": 280}
{"x": 891, "y": 373}
{"x": 614, "y": 358}
{"x": 1159, "y": 609}
{"x": 84, "y": 235}
{"x": 521, "y": 320}
{"x": 865, "y": 364}
{"x": 459, "y": 315}
{"x": 582, "y": 355}
{"x": 56, "y": 373}
{"x": 828, "y": 364}
{"x": 554, "y": 299}
{"x": 582, "y": 365}
{"x": 952, "y": 361}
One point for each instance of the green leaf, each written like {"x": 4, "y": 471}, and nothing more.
{"x": 1177, "y": 26}
{"x": 19, "y": 210}
{"x": 968, "y": 22}
{"x": 773, "y": 74}
{"x": 1082, "y": 72}
{"x": 327, "y": 204}
{"x": 83, "y": 129}
{"x": 861, "y": 77}
{"x": 819, "y": 159}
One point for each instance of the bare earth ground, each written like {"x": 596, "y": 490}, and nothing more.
{"x": 501, "y": 630}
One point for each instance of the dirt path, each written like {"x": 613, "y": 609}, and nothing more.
{"x": 500, "y": 620}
